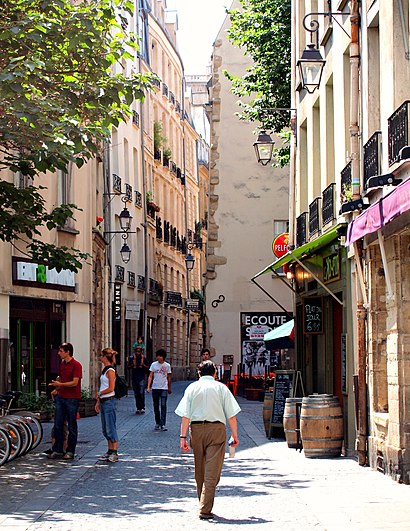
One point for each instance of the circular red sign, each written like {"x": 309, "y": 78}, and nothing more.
{"x": 280, "y": 245}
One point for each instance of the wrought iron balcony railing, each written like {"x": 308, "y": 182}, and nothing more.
{"x": 138, "y": 199}
{"x": 135, "y": 118}
{"x": 301, "y": 222}
{"x": 372, "y": 157}
{"x": 172, "y": 98}
{"x": 158, "y": 228}
{"x": 141, "y": 282}
{"x": 119, "y": 273}
{"x": 156, "y": 82}
{"x": 131, "y": 279}
{"x": 328, "y": 204}
{"x": 116, "y": 184}
{"x": 128, "y": 192}
{"x": 399, "y": 131}
{"x": 346, "y": 182}
{"x": 165, "y": 89}
{"x": 157, "y": 154}
{"x": 314, "y": 218}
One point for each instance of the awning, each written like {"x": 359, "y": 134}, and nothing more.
{"x": 380, "y": 213}
{"x": 306, "y": 249}
{"x": 281, "y": 337}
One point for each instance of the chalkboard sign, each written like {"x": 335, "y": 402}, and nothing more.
{"x": 313, "y": 315}
{"x": 283, "y": 388}
{"x": 344, "y": 361}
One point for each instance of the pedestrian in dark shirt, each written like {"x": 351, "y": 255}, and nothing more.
{"x": 67, "y": 395}
{"x": 139, "y": 371}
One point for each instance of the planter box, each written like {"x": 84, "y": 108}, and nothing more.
{"x": 87, "y": 408}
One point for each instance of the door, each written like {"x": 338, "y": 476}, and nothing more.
{"x": 29, "y": 356}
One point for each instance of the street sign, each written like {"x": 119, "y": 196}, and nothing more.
{"x": 192, "y": 305}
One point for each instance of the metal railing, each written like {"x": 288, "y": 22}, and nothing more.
{"x": 119, "y": 273}
{"x": 135, "y": 118}
{"x": 141, "y": 282}
{"x": 138, "y": 199}
{"x": 346, "y": 181}
{"x": 314, "y": 218}
{"x": 328, "y": 204}
{"x": 131, "y": 279}
{"x": 398, "y": 131}
{"x": 165, "y": 89}
{"x": 372, "y": 157}
{"x": 172, "y": 98}
{"x": 128, "y": 192}
{"x": 301, "y": 222}
{"x": 116, "y": 183}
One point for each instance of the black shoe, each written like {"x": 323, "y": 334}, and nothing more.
{"x": 206, "y": 516}
{"x": 48, "y": 452}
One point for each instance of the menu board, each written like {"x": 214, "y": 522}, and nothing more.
{"x": 313, "y": 315}
{"x": 283, "y": 388}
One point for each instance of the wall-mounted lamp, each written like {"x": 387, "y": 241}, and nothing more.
{"x": 125, "y": 224}
{"x": 125, "y": 219}
{"x": 264, "y": 148}
{"x": 189, "y": 262}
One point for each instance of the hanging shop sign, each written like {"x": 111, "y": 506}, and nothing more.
{"x": 331, "y": 268}
{"x": 313, "y": 315}
{"x": 27, "y": 273}
{"x": 132, "y": 310}
{"x": 280, "y": 245}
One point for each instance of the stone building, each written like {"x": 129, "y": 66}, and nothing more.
{"x": 248, "y": 207}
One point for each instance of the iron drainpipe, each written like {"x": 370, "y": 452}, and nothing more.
{"x": 361, "y": 312}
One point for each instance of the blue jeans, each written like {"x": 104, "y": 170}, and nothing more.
{"x": 108, "y": 410}
{"x": 160, "y": 395}
{"x": 139, "y": 393}
{"x": 65, "y": 410}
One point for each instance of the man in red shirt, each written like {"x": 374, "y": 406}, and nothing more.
{"x": 67, "y": 394}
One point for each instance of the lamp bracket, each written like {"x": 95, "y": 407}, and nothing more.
{"x": 314, "y": 24}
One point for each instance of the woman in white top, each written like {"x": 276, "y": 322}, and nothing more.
{"x": 107, "y": 404}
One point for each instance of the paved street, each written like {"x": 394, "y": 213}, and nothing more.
{"x": 266, "y": 486}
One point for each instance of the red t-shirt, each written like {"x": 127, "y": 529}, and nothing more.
{"x": 69, "y": 371}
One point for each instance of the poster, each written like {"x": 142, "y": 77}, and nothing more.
{"x": 256, "y": 359}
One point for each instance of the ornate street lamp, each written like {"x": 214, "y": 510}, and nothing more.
{"x": 125, "y": 219}
{"x": 311, "y": 66}
{"x": 189, "y": 262}
{"x": 264, "y": 148}
{"x": 125, "y": 253}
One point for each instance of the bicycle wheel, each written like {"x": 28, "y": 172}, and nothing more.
{"x": 14, "y": 436}
{"x": 35, "y": 426}
{"x": 25, "y": 432}
{"x": 5, "y": 446}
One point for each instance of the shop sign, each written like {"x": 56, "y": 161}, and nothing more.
{"x": 280, "y": 245}
{"x": 27, "y": 273}
{"x": 331, "y": 268}
{"x": 117, "y": 302}
{"x": 192, "y": 305}
{"x": 258, "y": 331}
{"x": 313, "y": 315}
{"x": 132, "y": 310}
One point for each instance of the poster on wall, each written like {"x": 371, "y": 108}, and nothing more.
{"x": 256, "y": 358}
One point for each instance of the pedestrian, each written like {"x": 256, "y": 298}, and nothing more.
{"x": 159, "y": 380}
{"x": 139, "y": 343}
{"x": 107, "y": 404}
{"x": 204, "y": 408}
{"x": 139, "y": 371}
{"x": 206, "y": 354}
{"x": 67, "y": 395}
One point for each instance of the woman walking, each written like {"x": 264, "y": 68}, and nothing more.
{"x": 107, "y": 404}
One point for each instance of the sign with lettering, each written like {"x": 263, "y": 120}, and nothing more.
{"x": 331, "y": 268}
{"x": 26, "y": 273}
{"x": 117, "y": 302}
{"x": 283, "y": 388}
{"x": 313, "y": 315}
{"x": 344, "y": 365}
{"x": 192, "y": 305}
{"x": 132, "y": 310}
{"x": 174, "y": 298}
{"x": 280, "y": 245}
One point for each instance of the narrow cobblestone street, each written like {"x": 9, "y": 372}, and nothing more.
{"x": 266, "y": 486}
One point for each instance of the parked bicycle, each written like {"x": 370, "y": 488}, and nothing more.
{"x": 19, "y": 433}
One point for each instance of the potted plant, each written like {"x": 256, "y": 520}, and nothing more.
{"x": 87, "y": 404}
{"x": 42, "y": 405}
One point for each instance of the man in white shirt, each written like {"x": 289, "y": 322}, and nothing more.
{"x": 204, "y": 408}
{"x": 159, "y": 380}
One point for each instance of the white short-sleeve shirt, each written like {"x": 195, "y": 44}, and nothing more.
{"x": 161, "y": 371}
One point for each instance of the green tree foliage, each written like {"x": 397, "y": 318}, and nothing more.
{"x": 59, "y": 98}
{"x": 262, "y": 28}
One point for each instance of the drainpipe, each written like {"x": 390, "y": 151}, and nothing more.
{"x": 361, "y": 312}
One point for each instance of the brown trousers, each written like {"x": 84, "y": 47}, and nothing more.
{"x": 208, "y": 443}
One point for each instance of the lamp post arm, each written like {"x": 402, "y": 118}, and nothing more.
{"x": 314, "y": 24}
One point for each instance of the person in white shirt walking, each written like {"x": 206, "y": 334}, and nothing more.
{"x": 159, "y": 380}
{"x": 204, "y": 408}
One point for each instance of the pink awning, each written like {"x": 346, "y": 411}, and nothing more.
{"x": 380, "y": 213}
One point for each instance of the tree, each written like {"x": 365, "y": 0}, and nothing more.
{"x": 263, "y": 29}
{"x": 59, "y": 98}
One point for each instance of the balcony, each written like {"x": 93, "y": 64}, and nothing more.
{"x": 301, "y": 222}
{"x": 346, "y": 183}
{"x": 152, "y": 209}
{"x": 178, "y": 107}
{"x": 165, "y": 90}
{"x": 128, "y": 192}
{"x": 172, "y": 98}
{"x": 372, "y": 157}
{"x": 158, "y": 155}
{"x": 119, "y": 273}
{"x": 314, "y": 219}
{"x": 135, "y": 118}
{"x": 141, "y": 282}
{"x": 138, "y": 199}
{"x": 116, "y": 184}
{"x": 172, "y": 166}
{"x": 167, "y": 232}
{"x": 398, "y": 133}
{"x": 173, "y": 298}
{"x": 131, "y": 279}
{"x": 156, "y": 82}
{"x": 328, "y": 204}
{"x": 173, "y": 236}
{"x": 158, "y": 228}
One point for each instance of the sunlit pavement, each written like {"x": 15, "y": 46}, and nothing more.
{"x": 266, "y": 486}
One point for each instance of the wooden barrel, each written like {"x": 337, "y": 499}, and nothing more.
{"x": 267, "y": 411}
{"x": 290, "y": 426}
{"x": 321, "y": 426}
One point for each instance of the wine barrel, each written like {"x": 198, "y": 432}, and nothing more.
{"x": 290, "y": 424}
{"x": 267, "y": 411}
{"x": 321, "y": 426}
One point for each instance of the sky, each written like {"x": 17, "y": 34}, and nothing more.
{"x": 199, "y": 22}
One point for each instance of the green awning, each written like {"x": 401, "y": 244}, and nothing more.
{"x": 304, "y": 250}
